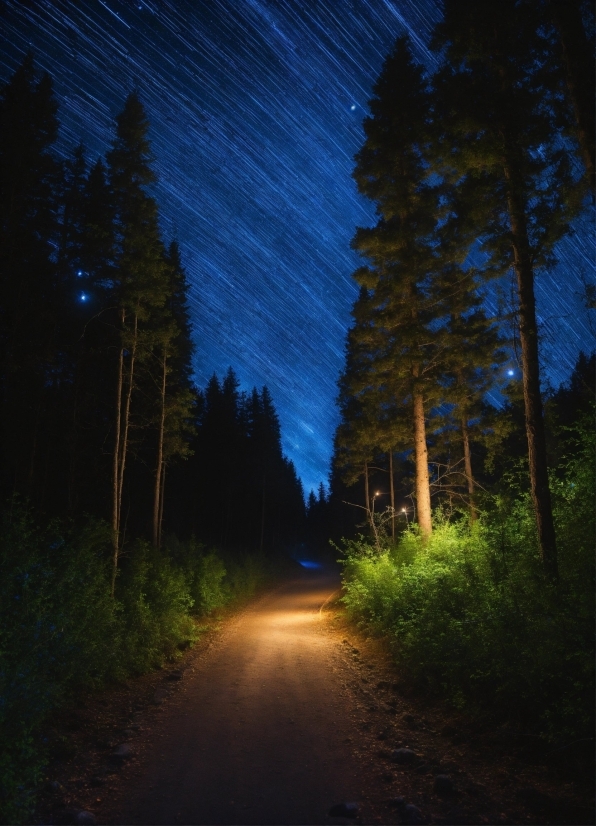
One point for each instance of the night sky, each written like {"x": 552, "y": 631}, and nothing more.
{"x": 256, "y": 111}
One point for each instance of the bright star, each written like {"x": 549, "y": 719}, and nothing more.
{"x": 83, "y": 297}
{"x": 510, "y": 372}
{"x": 353, "y": 107}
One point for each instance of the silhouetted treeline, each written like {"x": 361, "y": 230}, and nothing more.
{"x": 99, "y": 413}
{"x": 237, "y": 489}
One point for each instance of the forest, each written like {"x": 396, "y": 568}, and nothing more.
{"x": 460, "y": 496}
{"x": 473, "y": 531}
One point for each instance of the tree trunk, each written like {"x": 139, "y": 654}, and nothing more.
{"x": 579, "y": 75}
{"x": 422, "y": 476}
{"x": 127, "y": 404}
{"x": 262, "y": 518}
{"x": 528, "y": 331}
{"x": 116, "y": 465}
{"x": 392, "y": 495}
{"x": 366, "y": 492}
{"x": 468, "y": 466}
{"x": 161, "y": 501}
{"x": 157, "y": 492}
{"x": 121, "y": 442}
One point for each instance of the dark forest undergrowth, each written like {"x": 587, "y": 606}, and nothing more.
{"x": 63, "y": 636}
{"x": 472, "y": 619}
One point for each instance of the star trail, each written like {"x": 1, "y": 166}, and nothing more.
{"x": 256, "y": 111}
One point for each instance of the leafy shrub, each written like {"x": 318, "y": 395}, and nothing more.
{"x": 56, "y": 625}
{"x": 472, "y": 616}
{"x": 60, "y": 630}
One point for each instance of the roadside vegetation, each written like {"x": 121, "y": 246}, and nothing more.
{"x": 473, "y": 618}
{"x": 61, "y": 632}
{"x": 118, "y": 475}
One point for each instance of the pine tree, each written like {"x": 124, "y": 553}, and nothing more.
{"x": 391, "y": 170}
{"x": 140, "y": 283}
{"x": 172, "y": 351}
{"x": 500, "y": 107}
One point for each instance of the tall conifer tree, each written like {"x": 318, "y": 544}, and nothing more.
{"x": 500, "y": 105}
{"x": 140, "y": 279}
{"x": 391, "y": 170}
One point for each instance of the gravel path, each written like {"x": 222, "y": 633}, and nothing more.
{"x": 258, "y": 733}
{"x": 280, "y": 714}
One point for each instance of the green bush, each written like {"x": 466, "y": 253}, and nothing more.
{"x": 57, "y": 622}
{"x": 472, "y": 616}
{"x": 60, "y": 629}
{"x": 153, "y": 602}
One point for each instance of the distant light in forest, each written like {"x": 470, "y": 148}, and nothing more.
{"x": 83, "y": 297}
{"x": 511, "y": 372}
{"x": 306, "y": 563}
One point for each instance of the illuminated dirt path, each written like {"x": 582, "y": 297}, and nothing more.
{"x": 258, "y": 733}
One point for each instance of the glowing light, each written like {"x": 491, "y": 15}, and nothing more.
{"x": 510, "y": 372}
{"x": 353, "y": 107}
{"x": 80, "y": 272}
{"x": 83, "y": 297}
{"x": 306, "y": 563}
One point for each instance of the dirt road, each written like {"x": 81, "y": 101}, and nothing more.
{"x": 288, "y": 711}
{"x": 258, "y": 732}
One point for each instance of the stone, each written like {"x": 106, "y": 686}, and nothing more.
{"x": 85, "y": 818}
{"x": 403, "y": 756}
{"x": 443, "y": 785}
{"x": 160, "y": 695}
{"x": 349, "y": 810}
{"x": 123, "y": 752}
{"x": 411, "y": 814}
{"x": 66, "y": 817}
